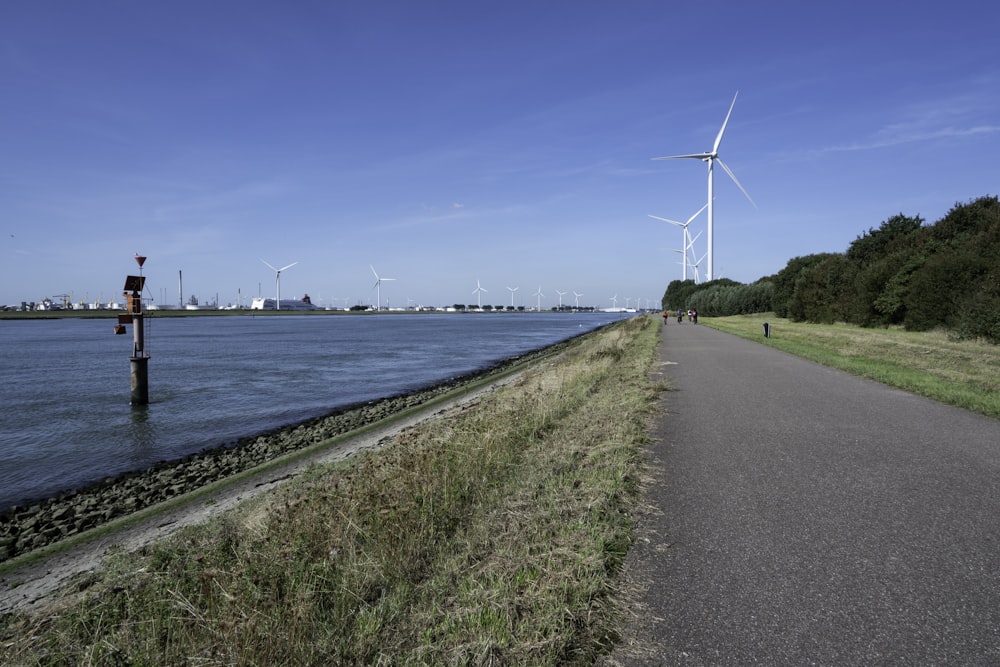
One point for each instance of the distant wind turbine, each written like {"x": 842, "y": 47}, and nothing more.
{"x": 577, "y": 299}
{"x": 711, "y": 157}
{"x": 688, "y": 253}
{"x": 378, "y": 288}
{"x": 560, "y": 298}
{"x": 479, "y": 294}
{"x": 539, "y": 294}
{"x": 512, "y": 290}
{"x": 697, "y": 264}
{"x": 277, "y": 282}
{"x": 688, "y": 242}
{"x": 614, "y": 301}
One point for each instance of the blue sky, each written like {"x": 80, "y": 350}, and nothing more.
{"x": 449, "y": 142}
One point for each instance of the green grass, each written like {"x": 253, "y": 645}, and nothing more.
{"x": 490, "y": 536}
{"x": 965, "y": 374}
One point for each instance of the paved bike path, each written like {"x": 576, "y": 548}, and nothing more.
{"x": 804, "y": 516}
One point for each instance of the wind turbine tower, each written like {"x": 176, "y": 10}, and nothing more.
{"x": 378, "y": 288}
{"x": 277, "y": 282}
{"x": 538, "y": 294}
{"x": 711, "y": 157}
{"x": 512, "y": 290}
{"x": 479, "y": 294}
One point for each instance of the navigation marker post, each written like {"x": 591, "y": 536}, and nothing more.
{"x": 138, "y": 362}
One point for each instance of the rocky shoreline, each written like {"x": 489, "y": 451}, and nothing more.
{"x": 25, "y": 529}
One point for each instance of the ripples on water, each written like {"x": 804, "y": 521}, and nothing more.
{"x": 66, "y": 419}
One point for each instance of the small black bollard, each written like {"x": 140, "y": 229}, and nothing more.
{"x": 767, "y": 330}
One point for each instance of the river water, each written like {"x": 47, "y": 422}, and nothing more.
{"x": 65, "y": 418}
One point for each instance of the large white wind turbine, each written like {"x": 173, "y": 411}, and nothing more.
{"x": 560, "y": 298}
{"x": 539, "y": 294}
{"x": 479, "y": 294}
{"x": 378, "y": 288}
{"x": 711, "y": 157}
{"x": 512, "y": 290}
{"x": 577, "y": 299}
{"x": 277, "y": 282}
{"x": 688, "y": 242}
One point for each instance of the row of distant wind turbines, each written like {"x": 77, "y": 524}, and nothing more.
{"x": 711, "y": 157}
{"x": 380, "y": 279}
{"x": 538, "y": 295}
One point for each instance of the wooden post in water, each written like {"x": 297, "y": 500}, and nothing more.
{"x": 139, "y": 360}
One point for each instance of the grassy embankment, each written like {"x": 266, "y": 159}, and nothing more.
{"x": 965, "y": 374}
{"x": 494, "y": 535}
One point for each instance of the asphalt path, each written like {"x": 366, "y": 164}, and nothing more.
{"x": 803, "y": 516}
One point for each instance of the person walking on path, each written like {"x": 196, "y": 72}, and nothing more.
{"x": 803, "y": 516}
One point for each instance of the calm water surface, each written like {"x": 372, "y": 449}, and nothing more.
{"x": 66, "y": 421}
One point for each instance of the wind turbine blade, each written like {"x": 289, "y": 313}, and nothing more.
{"x": 288, "y": 267}
{"x": 722, "y": 130}
{"x": 672, "y": 222}
{"x": 373, "y": 271}
{"x": 733, "y": 176}
{"x": 697, "y": 156}
{"x": 269, "y": 266}
{"x": 697, "y": 214}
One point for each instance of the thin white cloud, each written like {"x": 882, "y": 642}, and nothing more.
{"x": 958, "y": 117}
{"x": 896, "y": 135}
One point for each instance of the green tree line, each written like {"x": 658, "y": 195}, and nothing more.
{"x": 905, "y": 272}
